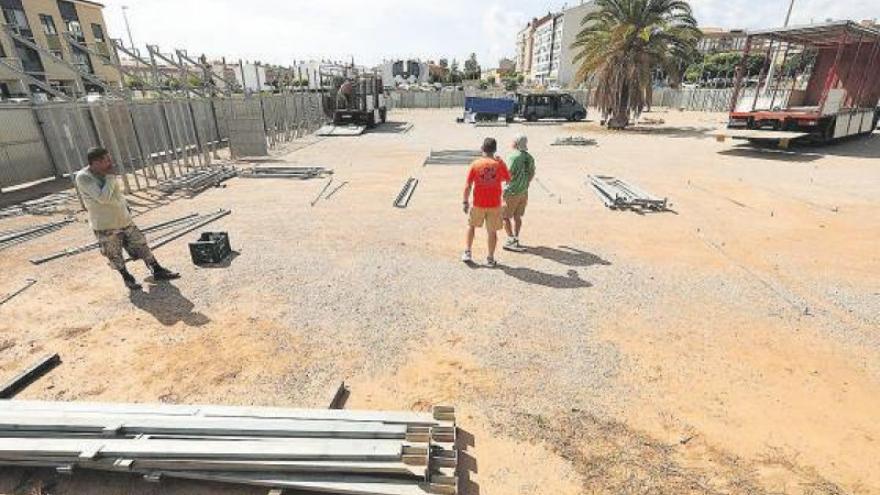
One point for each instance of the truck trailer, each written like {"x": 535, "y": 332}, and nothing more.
{"x": 819, "y": 83}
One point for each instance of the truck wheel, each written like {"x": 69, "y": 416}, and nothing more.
{"x": 578, "y": 116}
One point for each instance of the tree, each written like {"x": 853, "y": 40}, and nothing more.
{"x": 624, "y": 42}
{"x": 472, "y": 68}
{"x": 454, "y": 76}
{"x": 723, "y": 65}
{"x": 444, "y": 63}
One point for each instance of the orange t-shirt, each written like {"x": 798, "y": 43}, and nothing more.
{"x": 486, "y": 175}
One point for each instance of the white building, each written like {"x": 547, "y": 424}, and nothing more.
{"x": 396, "y": 72}
{"x": 552, "y": 57}
{"x": 251, "y": 77}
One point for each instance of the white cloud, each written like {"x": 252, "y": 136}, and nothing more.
{"x": 279, "y": 31}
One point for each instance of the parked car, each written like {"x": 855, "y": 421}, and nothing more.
{"x": 538, "y": 106}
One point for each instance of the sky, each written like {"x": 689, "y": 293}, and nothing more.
{"x": 281, "y": 31}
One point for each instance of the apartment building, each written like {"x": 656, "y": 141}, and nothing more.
{"x": 551, "y": 60}
{"x": 71, "y": 35}
{"x": 524, "y": 45}
{"x": 718, "y": 40}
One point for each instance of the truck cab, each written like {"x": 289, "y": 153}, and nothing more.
{"x": 533, "y": 107}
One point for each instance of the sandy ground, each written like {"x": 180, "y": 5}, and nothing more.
{"x": 730, "y": 346}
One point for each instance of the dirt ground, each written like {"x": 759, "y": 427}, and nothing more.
{"x": 728, "y": 347}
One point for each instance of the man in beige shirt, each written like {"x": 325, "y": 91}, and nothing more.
{"x": 110, "y": 218}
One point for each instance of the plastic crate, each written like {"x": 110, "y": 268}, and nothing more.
{"x": 212, "y": 247}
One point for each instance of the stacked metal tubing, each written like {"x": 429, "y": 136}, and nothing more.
{"x": 619, "y": 194}
{"x": 198, "y": 180}
{"x": 13, "y": 237}
{"x": 285, "y": 173}
{"x": 336, "y": 451}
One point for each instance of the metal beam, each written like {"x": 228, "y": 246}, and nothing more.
{"x": 76, "y": 70}
{"x": 29, "y": 375}
{"x": 33, "y": 80}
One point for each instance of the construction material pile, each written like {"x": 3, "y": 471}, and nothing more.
{"x": 574, "y": 141}
{"x": 452, "y": 157}
{"x": 336, "y": 451}
{"x": 165, "y": 232}
{"x": 11, "y": 238}
{"x": 286, "y": 172}
{"x": 618, "y": 194}
{"x": 198, "y": 180}
{"x": 52, "y": 203}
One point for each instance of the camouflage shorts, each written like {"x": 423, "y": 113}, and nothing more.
{"x": 131, "y": 239}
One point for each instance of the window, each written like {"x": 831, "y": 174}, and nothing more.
{"x": 48, "y": 24}
{"x": 98, "y": 32}
{"x": 2, "y": 51}
{"x": 16, "y": 18}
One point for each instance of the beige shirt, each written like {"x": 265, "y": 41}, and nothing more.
{"x": 107, "y": 207}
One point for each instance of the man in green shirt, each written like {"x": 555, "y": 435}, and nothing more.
{"x": 110, "y": 218}
{"x": 516, "y": 195}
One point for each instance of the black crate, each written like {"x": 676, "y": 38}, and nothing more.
{"x": 212, "y": 247}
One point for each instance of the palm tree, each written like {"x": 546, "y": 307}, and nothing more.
{"x": 624, "y": 42}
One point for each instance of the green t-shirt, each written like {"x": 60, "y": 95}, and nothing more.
{"x": 522, "y": 170}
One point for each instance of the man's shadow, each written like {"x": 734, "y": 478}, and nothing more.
{"x": 568, "y": 256}
{"x": 572, "y": 280}
{"x": 165, "y": 302}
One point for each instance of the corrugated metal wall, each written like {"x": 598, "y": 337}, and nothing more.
{"x": 23, "y": 154}
{"x": 149, "y": 140}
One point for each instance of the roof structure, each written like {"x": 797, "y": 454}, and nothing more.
{"x": 825, "y": 34}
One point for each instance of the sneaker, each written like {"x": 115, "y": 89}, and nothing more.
{"x": 510, "y": 245}
{"x": 491, "y": 263}
{"x": 466, "y": 257}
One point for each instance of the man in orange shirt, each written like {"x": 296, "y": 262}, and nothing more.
{"x": 485, "y": 178}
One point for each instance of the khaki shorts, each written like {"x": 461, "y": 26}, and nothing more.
{"x": 515, "y": 206}
{"x": 490, "y": 216}
{"x": 130, "y": 238}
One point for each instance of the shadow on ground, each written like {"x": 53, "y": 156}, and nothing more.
{"x": 567, "y": 256}
{"x": 392, "y": 128}
{"x": 165, "y": 302}
{"x": 852, "y": 147}
{"x": 673, "y": 132}
{"x": 571, "y": 280}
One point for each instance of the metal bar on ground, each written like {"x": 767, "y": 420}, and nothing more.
{"x": 27, "y": 285}
{"x": 29, "y": 375}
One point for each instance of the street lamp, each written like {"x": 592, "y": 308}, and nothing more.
{"x": 127, "y": 26}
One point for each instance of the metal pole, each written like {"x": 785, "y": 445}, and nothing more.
{"x": 127, "y": 26}
{"x": 788, "y": 15}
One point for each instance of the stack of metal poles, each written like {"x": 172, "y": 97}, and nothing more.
{"x": 198, "y": 180}
{"x": 619, "y": 194}
{"x": 336, "y": 451}
{"x": 285, "y": 173}
{"x": 13, "y": 237}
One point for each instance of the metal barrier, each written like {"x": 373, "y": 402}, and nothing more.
{"x": 455, "y": 99}
{"x": 709, "y": 99}
{"x": 150, "y": 140}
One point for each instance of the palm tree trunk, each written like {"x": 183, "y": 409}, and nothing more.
{"x": 620, "y": 117}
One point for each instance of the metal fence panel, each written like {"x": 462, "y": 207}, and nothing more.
{"x": 247, "y": 135}
{"x": 23, "y": 154}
